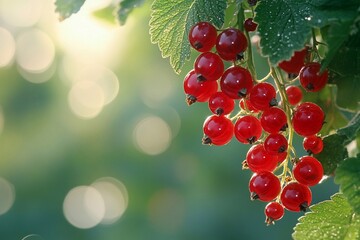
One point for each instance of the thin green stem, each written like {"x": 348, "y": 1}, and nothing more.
{"x": 315, "y": 43}
{"x": 280, "y": 84}
{"x": 264, "y": 78}
{"x": 237, "y": 115}
{"x": 249, "y": 54}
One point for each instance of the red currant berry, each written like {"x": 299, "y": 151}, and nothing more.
{"x": 264, "y": 186}
{"x": 202, "y": 36}
{"x": 273, "y": 211}
{"x": 250, "y": 25}
{"x": 296, "y": 197}
{"x": 294, "y": 94}
{"x": 273, "y": 120}
{"x": 208, "y": 66}
{"x": 282, "y": 156}
{"x": 276, "y": 143}
{"x": 221, "y": 104}
{"x": 198, "y": 91}
{"x": 295, "y": 63}
{"x": 313, "y": 144}
{"x": 308, "y": 119}
{"x": 246, "y": 105}
{"x": 247, "y": 129}
{"x": 230, "y": 44}
{"x": 311, "y": 79}
{"x": 263, "y": 96}
{"x": 258, "y": 159}
{"x": 218, "y": 130}
{"x": 308, "y": 171}
{"x": 236, "y": 82}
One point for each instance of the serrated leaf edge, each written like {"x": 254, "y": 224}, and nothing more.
{"x": 62, "y": 17}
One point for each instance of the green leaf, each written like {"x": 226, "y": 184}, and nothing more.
{"x": 329, "y": 220}
{"x": 125, "y": 8}
{"x": 171, "y": 21}
{"x": 334, "y": 35}
{"x": 285, "y": 25}
{"x": 347, "y": 61}
{"x": 333, "y": 153}
{"x": 105, "y": 14}
{"x": 351, "y": 129}
{"x": 344, "y": 68}
{"x": 67, "y": 7}
{"x": 347, "y": 175}
{"x": 348, "y": 86}
{"x": 345, "y": 73}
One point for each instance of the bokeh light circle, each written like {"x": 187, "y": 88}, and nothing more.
{"x": 103, "y": 77}
{"x": 86, "y": 99}
{"x": 38, "y": 77}
{"x": 115, "y": 197}
{"x": 84, "y": 207}
{"x": 152, "y": 135}
{"x": 7, "y": 47}
{"x": 35, "y": 51}
{"x": 7, "y": 195}
{"x": 21, "y": 13}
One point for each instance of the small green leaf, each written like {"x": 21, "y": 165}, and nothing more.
{"x": 347, "y": 175}
{"x": 125, "y": 8}
{"x": 351, "y": 129}
{"x": 329, "y": 220}
{"x": 105, "y": 14}
{"x": 333, "y": 153}
{"x": 171, "y": 21}
{"x": 67, "y": 7}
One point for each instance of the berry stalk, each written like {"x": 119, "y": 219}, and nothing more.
{"x": 249, "y": 54}
{"x": 279, "y": 82}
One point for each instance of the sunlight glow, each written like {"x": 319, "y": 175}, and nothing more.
{"x": 7, "y": 195}
{"x": 21, "y": 13}
{"x": 115, "y": 197}
{"x": 7, "y": 47}
{"x": 84, "y": 207}
{"x": 152, "y": 135}
{"x": 93, "y": 5}
{"x": 88, "y": 39}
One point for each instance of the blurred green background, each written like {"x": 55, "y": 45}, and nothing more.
{"x": 97, "y": 142}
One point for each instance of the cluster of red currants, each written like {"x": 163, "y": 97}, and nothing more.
{"x": 261, "y": 121}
